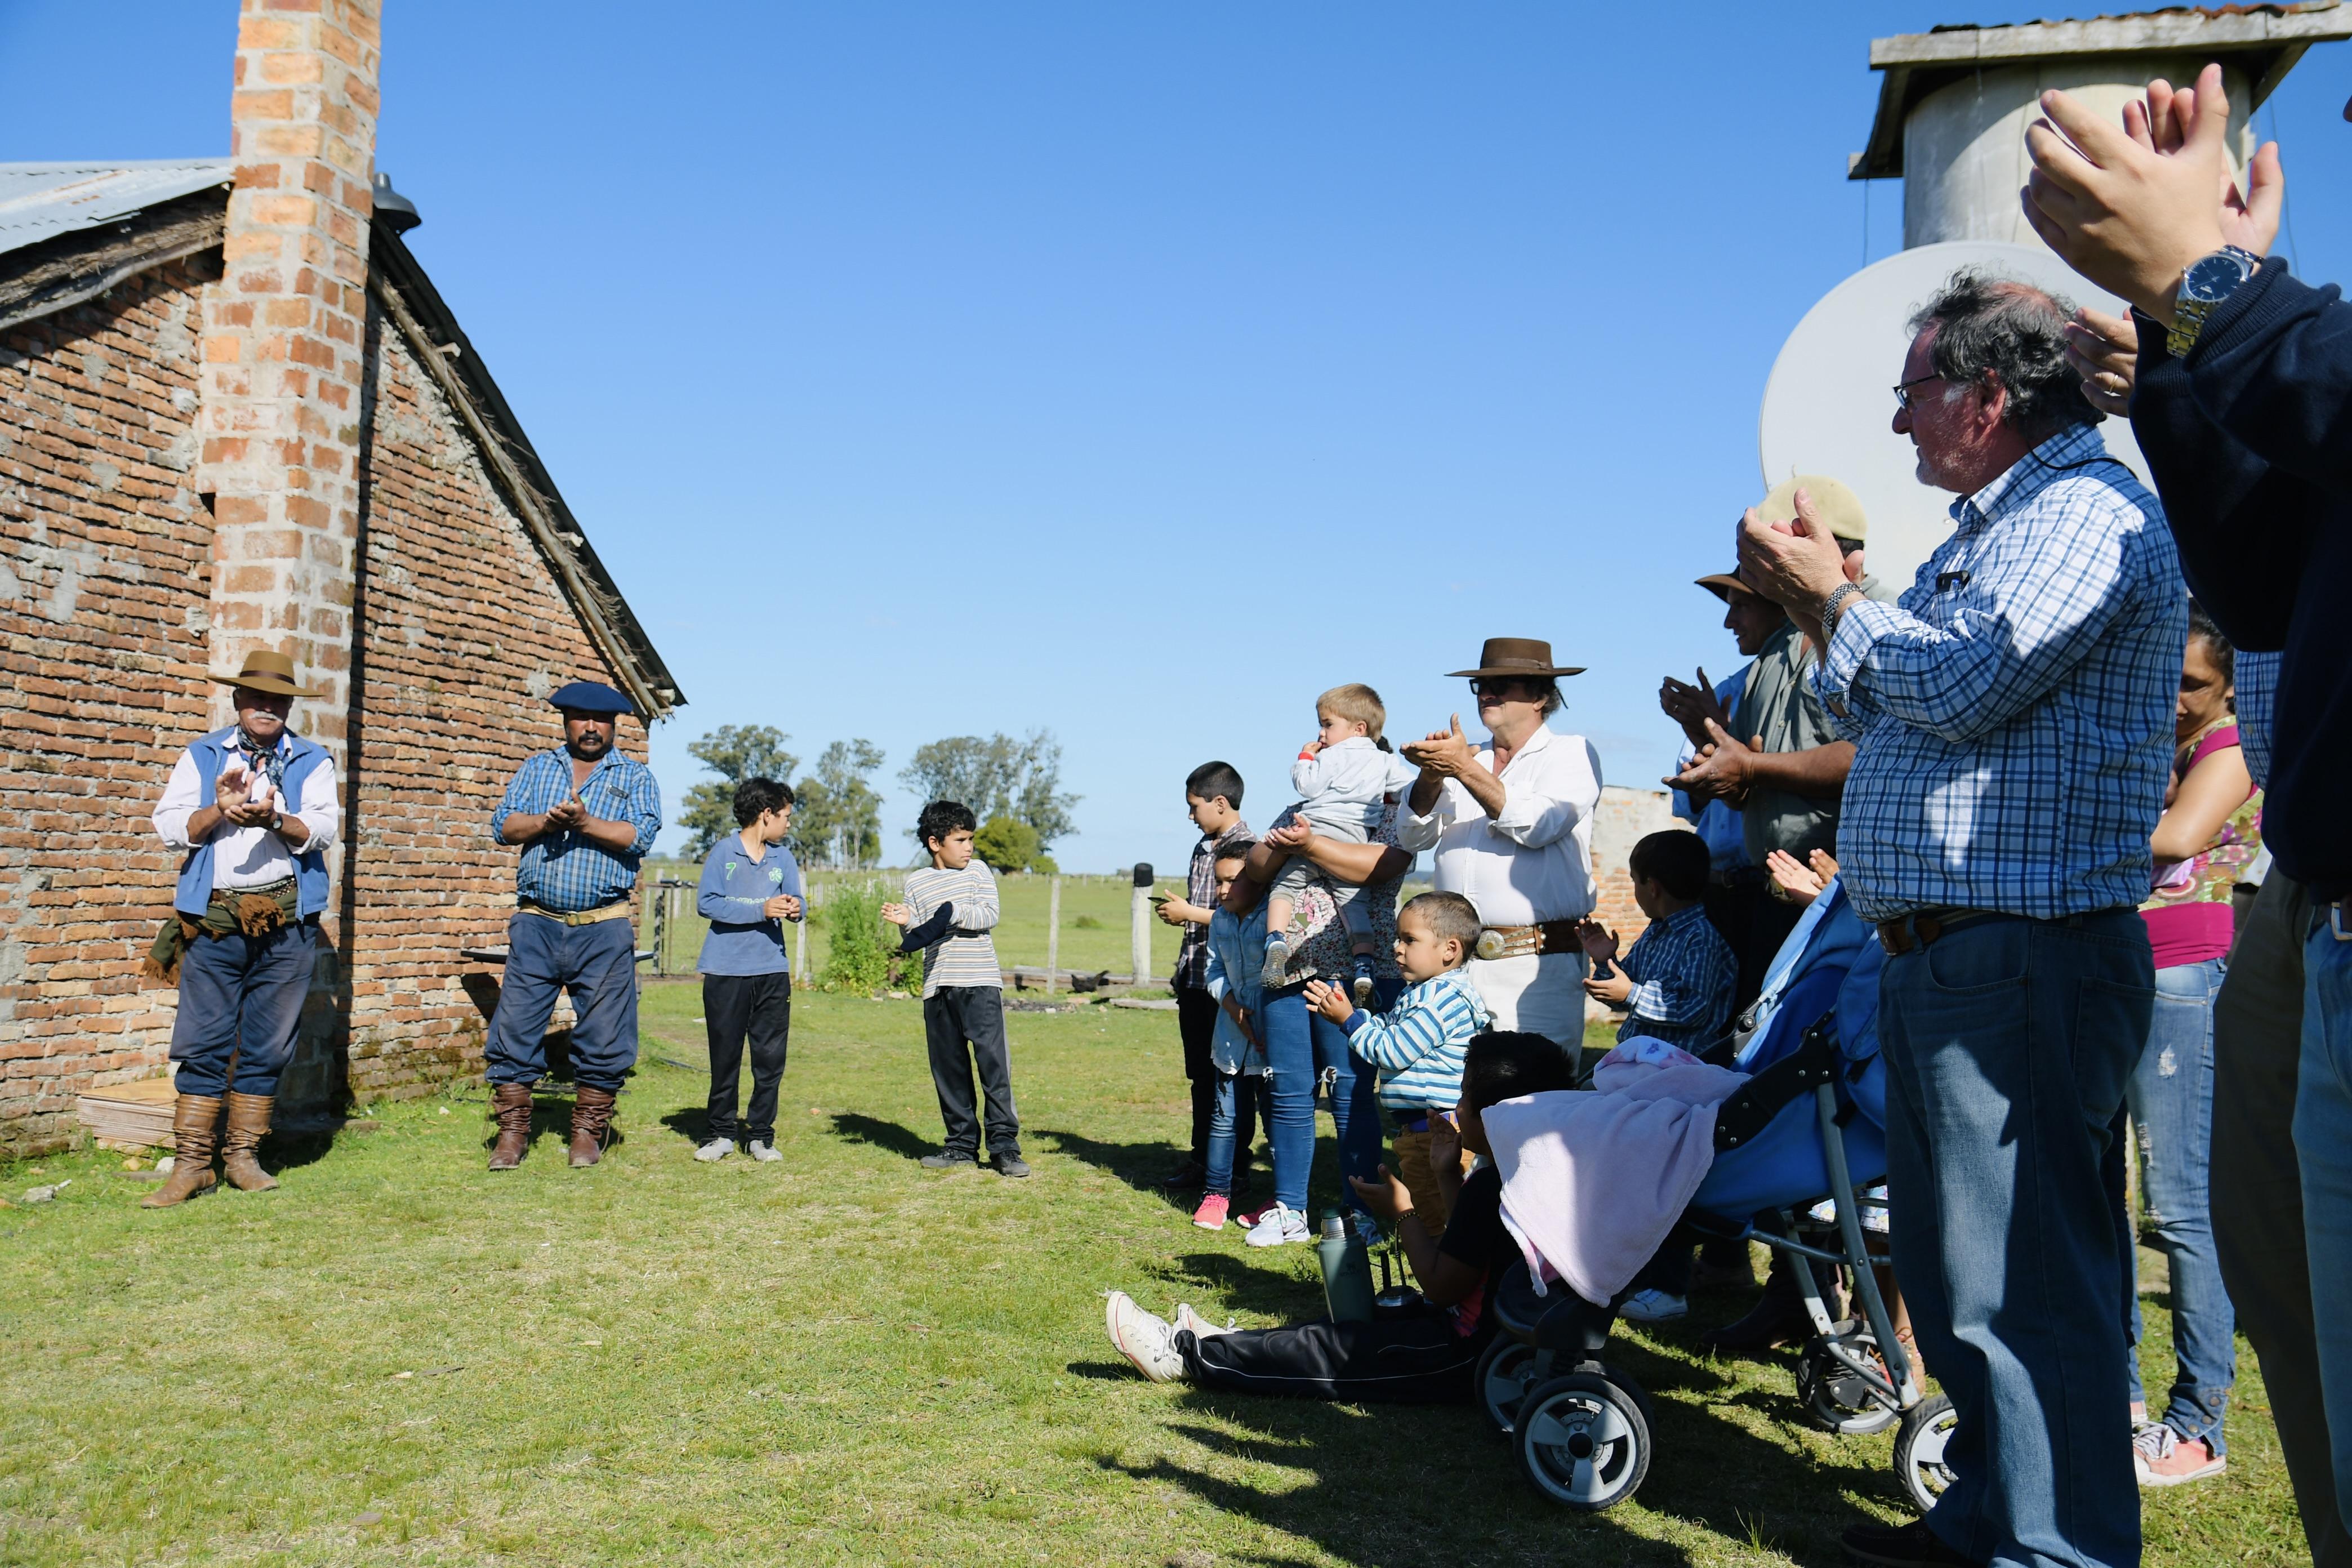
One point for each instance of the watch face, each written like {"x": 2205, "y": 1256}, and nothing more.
{"x": 2214, "y": 275}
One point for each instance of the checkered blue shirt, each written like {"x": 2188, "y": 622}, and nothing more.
{"x": 1683, "y": 974}
{"x": 2013, "y": 710}
{"x": 565, "y": 871}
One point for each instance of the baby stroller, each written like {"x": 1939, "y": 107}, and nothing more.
{"x": 1810, "y": 1121}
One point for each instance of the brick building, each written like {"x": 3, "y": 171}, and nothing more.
{"x": 234, "y": 413}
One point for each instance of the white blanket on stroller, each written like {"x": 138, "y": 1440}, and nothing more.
{"x": 1594, "y": 1178}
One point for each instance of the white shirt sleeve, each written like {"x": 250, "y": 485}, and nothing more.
{"x": 321, "y": 808}
{"x": 181, "y": 794}
{"x": 1548, "y": 805}
{"x": 1417, "y": 832}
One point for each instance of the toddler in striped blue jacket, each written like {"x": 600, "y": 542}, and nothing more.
{"x": 1418, "y": 1045}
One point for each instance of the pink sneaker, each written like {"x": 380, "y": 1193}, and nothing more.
{"x": 1210, "y": 1214}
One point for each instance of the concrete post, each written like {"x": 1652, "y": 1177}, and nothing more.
{"x": 1139, "y": 926}
{"x": 1053, "y": 933}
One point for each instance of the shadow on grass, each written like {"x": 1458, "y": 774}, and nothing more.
{"x": 1240, "y": 1285}
{"x": 851, "y": 1126}
{"x": 1707, "y": 1472}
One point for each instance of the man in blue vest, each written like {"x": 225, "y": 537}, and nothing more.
{"x": 253, "y": 806}
{"x": 585, "y": 815}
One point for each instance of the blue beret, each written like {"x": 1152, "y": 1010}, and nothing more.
{"x": 591, "y": 697}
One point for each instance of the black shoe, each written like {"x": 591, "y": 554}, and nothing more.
{"x": 1008, "y": 1164}
{"x": 949, "y": 1159}
{"x": 1192, "y": 1173}
{"x": 1912, "y": 1545}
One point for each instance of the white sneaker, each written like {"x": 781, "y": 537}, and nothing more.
{"x": 1142, "y": 1339}
{"x": 761, "y": 1152}
{"x": 1652, "y": 1307}
{"x": 716, "y": 1149}
{"x": 1198, "y": 1326}
{"x": 1277, "y": 1226}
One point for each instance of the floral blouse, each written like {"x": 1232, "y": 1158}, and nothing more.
{"x": 1319, "y": 940}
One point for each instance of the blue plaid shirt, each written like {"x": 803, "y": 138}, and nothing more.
{"x": 564, "y": 871}
{"x": 2013, "y": 710}
{"x": 1683, "y": 973}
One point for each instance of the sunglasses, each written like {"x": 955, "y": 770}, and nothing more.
{"x": 1502, "y": 690}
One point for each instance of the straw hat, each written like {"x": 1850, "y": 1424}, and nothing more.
{"x": 267, "y": 671}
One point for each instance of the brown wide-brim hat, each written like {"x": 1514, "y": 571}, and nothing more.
{"x": 1721, "y": 583}
{"x": 267, "y": 671}
{"x": 1526, "y": 657}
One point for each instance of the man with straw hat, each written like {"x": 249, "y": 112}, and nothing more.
{"x": 253, "y": 808}
{"x": 1512, "y": 825}
{"x": 585, "y": 815}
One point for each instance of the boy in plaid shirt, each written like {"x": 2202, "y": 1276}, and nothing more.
{"x": 1675, "y": 983}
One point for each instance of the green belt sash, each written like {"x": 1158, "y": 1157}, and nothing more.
{"x": 254, "y": 912}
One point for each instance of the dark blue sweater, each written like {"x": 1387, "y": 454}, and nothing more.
{"x": 2250, "y": 441}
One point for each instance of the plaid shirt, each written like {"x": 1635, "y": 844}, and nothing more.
{"x": 2014, "y": 715}
{"x": 1683, "y": 973}
{"x": 1201, "y": 890}
{"x": 565, "y": 871}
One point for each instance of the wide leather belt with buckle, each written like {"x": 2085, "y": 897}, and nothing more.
{"x": 1524, "y": 942}
{"x": 1907, "y": 932}
{"x": 613, "y": 912}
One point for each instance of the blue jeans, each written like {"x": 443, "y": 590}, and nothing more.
{"x": 241, "y": 995}
{"x": 1223, "y": 1123}
{"x": 598, "y": 963}
{"x": 2008, "y": 1043}
{"x": 2171, "y": 1097}
{"x": 2323, "y": 1144}
{"x": 1299, "y": 1046}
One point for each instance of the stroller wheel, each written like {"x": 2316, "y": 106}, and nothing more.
{"x": 1506, "y": 1370}
{"x": 1919, "y": 1450}
{"x": 1583, "y": 1441}
{"x": 1836, "y": 1395}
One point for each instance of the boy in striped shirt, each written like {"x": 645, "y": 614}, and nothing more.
{"x": 1418, "y": 1045}
{"x": 948, "y": 912}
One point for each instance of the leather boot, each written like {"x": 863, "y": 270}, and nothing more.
{"x": 248, "y": 1118}
{"x": 510, "y": 1103}
{"x": 195, "y": 1120}
{"x": 1777, "y": 1319}
{"x": 591, "y": 1113}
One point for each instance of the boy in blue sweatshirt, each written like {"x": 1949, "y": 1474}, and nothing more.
{"x": 1236, "y": 1052}
{"x": 1418, "y": 1045}
{"x": 751, "y": 886}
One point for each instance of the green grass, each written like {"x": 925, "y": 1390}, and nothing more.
{"x": 839, "y": 1359}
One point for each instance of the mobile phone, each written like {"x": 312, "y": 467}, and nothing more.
{"x": 1161, "y": 898}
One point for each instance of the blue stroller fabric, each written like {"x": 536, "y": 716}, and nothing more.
{"x": 1830, "y": 965}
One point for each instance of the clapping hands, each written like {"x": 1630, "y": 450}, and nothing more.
{"x": 1799, "y": 883}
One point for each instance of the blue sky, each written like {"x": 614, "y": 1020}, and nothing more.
{"x": 1137, "y": 372}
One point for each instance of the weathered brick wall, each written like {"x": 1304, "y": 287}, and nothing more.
{"x": 463, "y": 634}
{"x": 105, "y": 572}
{"x": 1626, "y": 816}
{"x": 106, "y": 556}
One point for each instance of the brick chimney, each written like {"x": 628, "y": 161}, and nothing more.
{"x": 283, "y": 346}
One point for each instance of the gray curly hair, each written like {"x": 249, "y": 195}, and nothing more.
{"x": 1996, "y": 330}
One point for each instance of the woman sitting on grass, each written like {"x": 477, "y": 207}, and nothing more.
{"x": 1424, "y": 1356}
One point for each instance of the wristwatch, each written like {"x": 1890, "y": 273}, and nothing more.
{"x": 276, "y": 821}
{"x": 1834, "y": 604}
{"x": 2209, "y": 281}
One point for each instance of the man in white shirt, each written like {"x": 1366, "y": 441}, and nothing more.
{"x": 254, "y": 807}
{"x": 1512, "y": 826}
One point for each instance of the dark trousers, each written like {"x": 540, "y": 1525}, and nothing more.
{"x": 598, "y": 963}
{"x": 1416, "y": 1359}
{"x": 1196, "y": 1024}
{"x": 241, "y": 996}
{"x": 1755, "y": 925}
{"x": 737, "y": 1009}
{"x": 2257, "y": 1193}
{"x": 955, "y": 1017}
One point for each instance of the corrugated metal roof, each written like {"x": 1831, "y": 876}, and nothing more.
{"x": 39, "y": 200}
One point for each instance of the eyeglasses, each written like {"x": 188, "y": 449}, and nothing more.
{"x": 1903, "y": 390}
{"x": 1501, "y": 690}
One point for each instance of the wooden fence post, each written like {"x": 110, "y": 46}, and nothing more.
{"x": 1053, "y": 932}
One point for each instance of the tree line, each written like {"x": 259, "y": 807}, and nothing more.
{"x": 1013, "y": 788}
